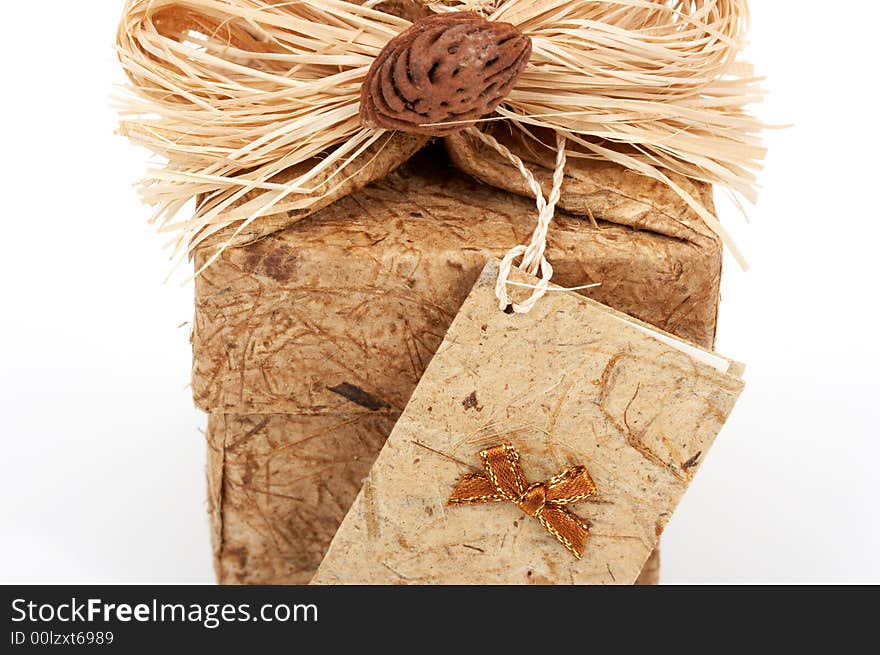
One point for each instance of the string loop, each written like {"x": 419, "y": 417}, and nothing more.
{"x": 533, "y": 259}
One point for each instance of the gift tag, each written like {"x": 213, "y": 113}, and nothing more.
{"x": 548, "y": 447}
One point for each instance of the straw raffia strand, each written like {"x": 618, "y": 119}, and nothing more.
{"x": 230, "y": 93}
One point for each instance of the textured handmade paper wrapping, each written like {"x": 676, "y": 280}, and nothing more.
{"x": 309, "y": 342}
{"x": 570, "y": 383}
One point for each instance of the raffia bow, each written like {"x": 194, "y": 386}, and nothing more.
{"x": 502, "y": 479}
{"x": 254, "y": 104}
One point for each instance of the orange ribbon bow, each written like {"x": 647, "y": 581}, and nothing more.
{"x": 503, "y": 479}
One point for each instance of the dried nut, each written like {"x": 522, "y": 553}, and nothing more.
{"x": 447, "y": 68}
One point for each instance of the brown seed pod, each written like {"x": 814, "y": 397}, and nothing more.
{"x": 455, "y": 67}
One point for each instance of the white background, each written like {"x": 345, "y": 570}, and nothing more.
{"x": 102, "y": 455}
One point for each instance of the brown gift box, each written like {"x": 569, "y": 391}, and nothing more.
{"x": 308, "y": 342}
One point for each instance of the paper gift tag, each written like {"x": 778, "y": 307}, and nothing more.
{"x": 570, "y": 384}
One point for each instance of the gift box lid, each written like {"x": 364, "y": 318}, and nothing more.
{"x": 360, "y": 294}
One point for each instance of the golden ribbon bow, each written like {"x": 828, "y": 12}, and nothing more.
{"x": 503, "y": 479}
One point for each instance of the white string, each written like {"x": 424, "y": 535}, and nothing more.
{"x": 533, "y": 259}
{"x": 535, "y": 286}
